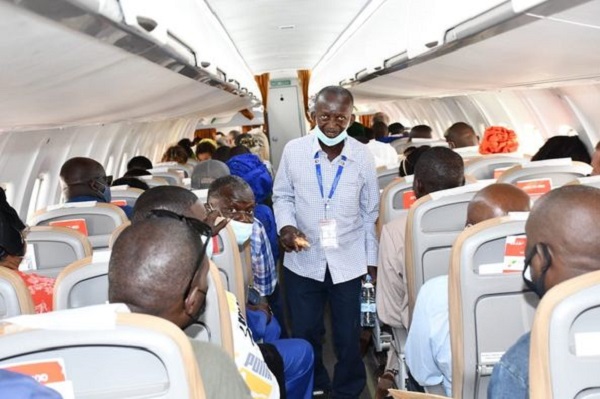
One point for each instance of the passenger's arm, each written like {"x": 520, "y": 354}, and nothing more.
{"x": 369, "y": 209}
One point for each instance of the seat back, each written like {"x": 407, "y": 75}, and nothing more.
{"x": 592, "y": 181}
{"x": 105, "y": 352}
{"x": 433, "y": 223}
{"x": 395, "y": 199}
{"x": 214, "y": 325}
{"x": 227, "y": 258}
{"x": 202, "y": 195}
{"x": 125, "y": 195}
{"x": 385, "y": 176}
{"x": 154, "y": 181}
{"x": 487, "y": 166}
{"x": 51, "y": 249}
{"x": 182, "y": 170}
{"x": 15, "y": 298}
{"x": 100, "y": 220}
{"x": 115, "y": 234}
{"x": 172, "y": 177}
{"x": 208, "y": 171}
{"x": 564, "y": 355}
{"x": 488, "y": 312}
{"x": 559, "y": 171}
{"x": 402, "y": 146}
{"x": 82, "y": 283}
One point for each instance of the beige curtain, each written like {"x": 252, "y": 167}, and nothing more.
{"x": 304, "y": 79}
{"x": 263, "y": 85}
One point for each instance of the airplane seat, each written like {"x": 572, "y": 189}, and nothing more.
{"x": 115, "y": 234}
{"x": 399, "y": 394}
{"x": 396, "y": 198}
{"x": 592, "y": 181}
{"x": 433, "y": 224}
{"x": 214, "y": 325}
{"x": 492, "y": 166}
{"x": 385, "y": 176}
{"x": 559, "y": 171}
{"x": 175, "y": 167}
{"x": 83, "y": 283}
{"x": 94, "y": 219}
{"x": 172, "y": 176}
{"x": 227, "y": 258}
{"x": 208, "y": 171}
{"x": 401, "y": 147}
{"x": 15, "y": 298}
{"x": 125, "y": 195}
{"x": 154, "y": 181}
{"x": 201, "y": 194}
{"x": 103, "y": 352}
{"x": 564, "y": 357}
{"x": 51, "y": 249}
{"x": 488, "y": 309}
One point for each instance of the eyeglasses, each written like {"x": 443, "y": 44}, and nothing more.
{"x": 198, "y": 227}
{"x": 232, "y": 213}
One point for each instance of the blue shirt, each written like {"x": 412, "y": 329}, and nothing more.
{"x": 263, "y": 264}
{"x": 265, "y": 215}
{"x": 84, "y": 198}
{"x": 355, "y": 204}
{"x": 510, "y": 378}
{"x": 15, "y": 385}
{"x": 428, "y": 353}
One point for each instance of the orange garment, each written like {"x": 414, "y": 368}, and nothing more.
{"x": 498, "y": 140}
{"x": 41, "y": 289}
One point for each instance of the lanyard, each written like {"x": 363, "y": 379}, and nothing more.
{"x": 336, "y": 180}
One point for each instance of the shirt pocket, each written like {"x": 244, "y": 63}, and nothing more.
{"x": 349, "y": 198}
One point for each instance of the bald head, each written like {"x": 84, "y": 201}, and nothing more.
{"x": 151, "y": 266}
{"x": 82, "y": 176}
{"x": 497, "y": 200}
{"x": 171, "y": 198}
{"x": 461, "y": 135}
{"x": 566, "y": 221}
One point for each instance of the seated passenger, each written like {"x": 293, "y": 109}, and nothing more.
{"x": 438, "y": 169}
{"x": 411, "y": 157}
{"x": 186, "y": 144}
{"x": 381, "y": 117}
{"x": 12, "y": 251}
{"x": 296, "y": 355}
{"x": 563, "y": 147}
{"x": 19, "y": 386}
{"x": 562, "y": 243}
{"x": 462, "y": 138}
{"x": 139, "y": 162}
{"x": 206, "y": 172}
{"x": 356, "y": 129}
{"x": 427, "y": 350}
{"x": 205, "y": 150}
{"x": 158, "y": 267}
{"x": 175, "y": 153}
{"x": 383, "y": 153}
{"x": 396, "y": 129}
{"x": 498, "y": 140}
{"x": 222, "y": 154}
{"x": 83, "y": 179}
{"x": 420, "y": 132}
{"x": 131, "y": 182}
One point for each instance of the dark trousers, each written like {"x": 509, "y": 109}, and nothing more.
{"x": 276, "y": 303}
{"x": 306, "y": 300}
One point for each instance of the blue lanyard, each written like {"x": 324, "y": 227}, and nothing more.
{"x": 336, "y": 180}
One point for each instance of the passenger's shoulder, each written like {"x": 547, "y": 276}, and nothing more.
{"x": 397, "y": 225}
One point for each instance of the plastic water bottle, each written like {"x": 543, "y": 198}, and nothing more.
{"x": 367, "y": 304}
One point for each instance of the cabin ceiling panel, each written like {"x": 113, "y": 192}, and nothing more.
{"x": 69, "y": 78}
{"x": 254, "y": 28}
{"x": 545, "y": 52}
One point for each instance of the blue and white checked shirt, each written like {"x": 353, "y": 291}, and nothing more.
{"x": 354, "y": 206}
{"x": 263, "y": 264}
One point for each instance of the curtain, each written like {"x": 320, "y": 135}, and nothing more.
{"x": 366, "y": 120}
{"x": 304, "y": 79}
{"x": 263, "y": 85}
{"x": 205, "y": 133}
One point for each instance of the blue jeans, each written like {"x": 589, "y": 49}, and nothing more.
{"x": 306, "y": 300}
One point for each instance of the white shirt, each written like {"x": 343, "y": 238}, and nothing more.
{"x": 297, "y": 202}
{"x": 468, "y": 152}
{"x": 384, "y": 154}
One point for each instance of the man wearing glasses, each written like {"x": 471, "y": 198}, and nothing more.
{"x": 562, "y": 243}
{"x": 84, "y": 179}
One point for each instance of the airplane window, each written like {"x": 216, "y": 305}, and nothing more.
{"x": 530, "y": 139}
{"x": 9, "y": 189}
{"x": 35, "y": 195}
{"x": 110, "y": 165}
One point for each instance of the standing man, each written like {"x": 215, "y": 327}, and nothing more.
{"x": 326, "y": 199}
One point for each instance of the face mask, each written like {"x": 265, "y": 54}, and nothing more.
{"x": 242, "y": 231}
{"x": 106, "y": 195}
{"x": 328, "y": 141}
{"x": 536, "y": 286}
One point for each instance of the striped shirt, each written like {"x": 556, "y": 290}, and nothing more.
{"x": 263, "y": 264}
{"x": 354, "y": 206}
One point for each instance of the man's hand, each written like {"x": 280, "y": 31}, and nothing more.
{"x": 372, "y": 271}
{"x": 212, "y": 219}
{"x": 291, "y": 239}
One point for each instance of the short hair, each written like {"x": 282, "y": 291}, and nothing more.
{"x": 396, "y": 128}
{"x": 563, "y": 147}
{"x": 151, "y": 263}
{"x": 205, "y": 147}
{"x": 131, "y": 182}
{"x": 412, "y": 155}
{"x": 238, "y": 150}
{"x": 238, "y": 186}
{"x": 222, "y": 154}
{"x": 186, "y": 144}
{"x": 139, "y": 162}
{"x": 175, "y": 153}
{"x": 137, "y": 173}
{"x": 458, "y": 127}
{"x": 172, "y": 198}
{"x": 380, "y": 129}
{"x": 439, "y": 168}
{"x": 420, "y": 132}
{"x": 338, "y": 91}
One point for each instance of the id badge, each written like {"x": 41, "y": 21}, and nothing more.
{"x": 328, "y": 233}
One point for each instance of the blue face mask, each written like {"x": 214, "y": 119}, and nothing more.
{"x": 242, "y": 231}
{"x": 328, "y": 141}
{"x": 106, "y": 195}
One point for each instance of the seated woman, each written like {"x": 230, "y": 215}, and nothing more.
{"x": 175, "y": 153}
{"x": 12, "y": 251}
